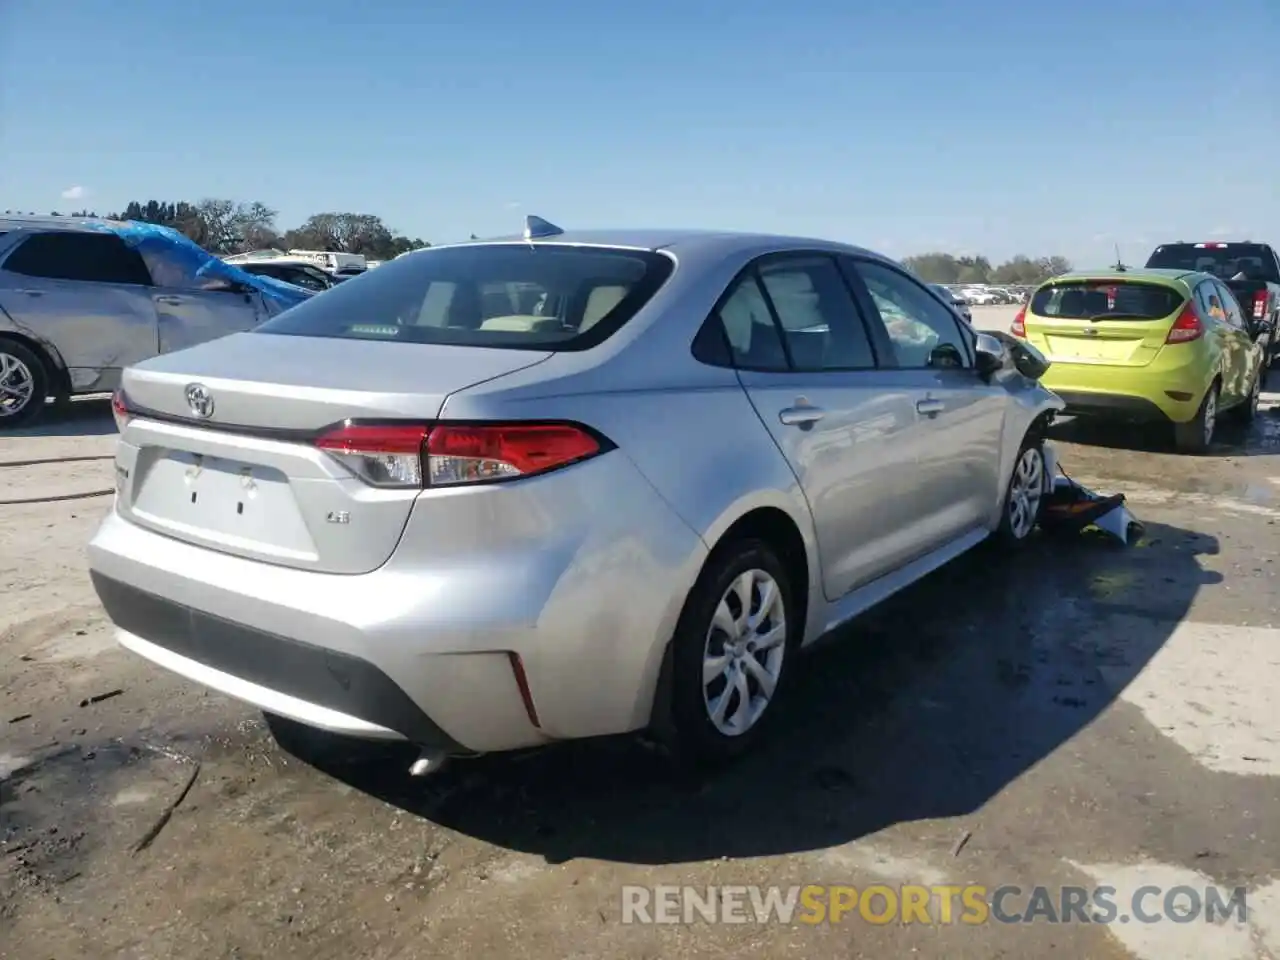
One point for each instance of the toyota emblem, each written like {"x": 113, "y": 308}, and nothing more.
{"x": 200, "y": 400}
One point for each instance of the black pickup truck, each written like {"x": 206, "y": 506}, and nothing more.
{"x": 1251, "y": 271}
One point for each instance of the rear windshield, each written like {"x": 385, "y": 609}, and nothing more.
{"x": 521, "y": 296}
{"x": 1106, "y": 300}
{"x": 1226, "y": 261}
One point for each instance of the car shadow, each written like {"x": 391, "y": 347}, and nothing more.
{"x": 932, "y": 704}
{"x": 79, "y": 418}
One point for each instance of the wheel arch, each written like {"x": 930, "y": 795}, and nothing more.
{"x": 771, "y": 518}
{"x": 48, "y": 353}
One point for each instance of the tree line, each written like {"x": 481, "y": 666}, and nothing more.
{"x": 228, "y": 226}
{"x": 946, "y": 268}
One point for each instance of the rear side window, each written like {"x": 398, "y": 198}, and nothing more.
{"x": 514, "y": 296}
{"x": 817, "y": 314}
{"x": 1226, "y": 261}
{"x": 89, "y": 257}
{"x": 1106, "y": 300}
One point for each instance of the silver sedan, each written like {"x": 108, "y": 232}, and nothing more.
{"x": 504, "y": 493}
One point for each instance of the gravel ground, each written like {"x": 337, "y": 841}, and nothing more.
{"x": 1084, "y": 715}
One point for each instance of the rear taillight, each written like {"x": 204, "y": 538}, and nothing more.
{"x": 1186, "y": 328}
{"x": 1019, "y": 326}
{"x": 384, "y": 455}
{"x": 1259, "y": 304}
{"x": 420, "y": 455}
{"x": 120, "y": 409}
{"x": 470, "y": 454}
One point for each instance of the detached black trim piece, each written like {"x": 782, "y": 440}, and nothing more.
{"x": 326, "y": 678}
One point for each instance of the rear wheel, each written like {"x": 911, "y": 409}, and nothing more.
{"x": 1246, "y": 411}
{"x": 24, "y": 385}
{"x": 731, "y": 652}
{"x": 1196, "y": 434}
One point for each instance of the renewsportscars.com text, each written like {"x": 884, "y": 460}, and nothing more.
{"x": 935, "y": 905}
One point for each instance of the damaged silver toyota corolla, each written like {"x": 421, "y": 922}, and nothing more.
{"x": 504, "y": 493}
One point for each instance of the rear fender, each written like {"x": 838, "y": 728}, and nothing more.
{"x": 14, "y": 331}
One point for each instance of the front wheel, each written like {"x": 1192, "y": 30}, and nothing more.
{"x": 731, "y": 652}
{"x": 1196, "y": 435}
{"x": 1024, "y": 497}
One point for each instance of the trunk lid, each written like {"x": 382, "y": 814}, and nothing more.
{"x": 247, "y": 479}
{"x": 1109, "y": 322}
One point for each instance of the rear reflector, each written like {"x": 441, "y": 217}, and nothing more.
{"x": 421, "y": 455}
{"x": 120, "y": 409}
{"x": 1186, "y": 328}
{"x": 522, "y": 684}
{"x": 1259, "y": 304}
{"x": 1019, "y": 326}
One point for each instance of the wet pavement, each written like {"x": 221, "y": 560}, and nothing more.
{"x": 1078, "y": 714}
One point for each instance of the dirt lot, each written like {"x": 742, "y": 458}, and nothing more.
{"x": 1086, "y": 715}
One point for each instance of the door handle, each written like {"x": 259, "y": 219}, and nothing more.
{"x": 174, "y": 301}
{"x": 930, "y": 407}
{"x": 800, "y": 416}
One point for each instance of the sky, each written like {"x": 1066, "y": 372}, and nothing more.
{"x": 907, "y": 126}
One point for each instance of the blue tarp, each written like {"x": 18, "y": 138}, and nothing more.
{"x": 168, "y": 251}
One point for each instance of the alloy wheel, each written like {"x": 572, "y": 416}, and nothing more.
{"x": 1210, "y": 415}
{"x": 743, "y": 653}
{"x": 1025, "y": 492}
{"x": 17, "y": 385}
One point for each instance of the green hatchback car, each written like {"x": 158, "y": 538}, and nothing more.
{"x": 1153, "y": 346}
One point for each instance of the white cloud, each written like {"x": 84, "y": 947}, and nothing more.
{"x": 75, "y": 193}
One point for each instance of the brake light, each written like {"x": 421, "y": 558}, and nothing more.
{"x": 1259, "y": 304}
{"x": 1186, "y": 328}
{"x": 120, "y": 410}
{"x": 1019, "y": 326}
{"x": 421, "y": 455}
{"x": 475, "y": 453}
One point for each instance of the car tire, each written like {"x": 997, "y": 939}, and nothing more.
{"x": 1196, "y": 435}
{"x": 1245, "y": 413}
{"x": 329, "y": 751}
{"x": 21, "y": 368}
{"x": 1024, "y": 496}
{"x": 711, "y": 720}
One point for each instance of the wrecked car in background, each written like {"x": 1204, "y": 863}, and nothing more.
{"x": 82, "y": 299}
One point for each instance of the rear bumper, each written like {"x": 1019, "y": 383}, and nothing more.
{"x": 583, "y": 584}
{"x": 1158, "y": 392}
{"x": 1112, "y": 406}
{"x": 326, "y": 688}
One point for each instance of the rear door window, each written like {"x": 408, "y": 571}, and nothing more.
{"x": 1230, "y": 306}
{"x": 819, "y": 320}
{"x": 1105, "y": 300}
{"x": 87, "y": 257}
{"x": 515, "y": 296}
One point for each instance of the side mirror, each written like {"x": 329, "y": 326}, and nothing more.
{"x": 991, "y": 355}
